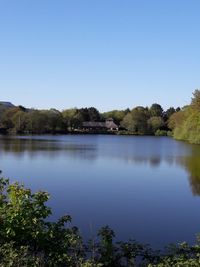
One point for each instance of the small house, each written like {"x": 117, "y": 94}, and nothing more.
{"x": 107, "y": 126}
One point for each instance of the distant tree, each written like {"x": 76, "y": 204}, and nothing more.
{"x": 3, "y": 109}
{"x": 37, "y": 122}
{"x": 93, "y": 114}
{"x": 20, "y": 121}
{"x": 55, "y": 121}
{"x": 12, "y": 119}
{"x": 168, "y": 113}
{"x": 156, "y": 110}
{"x": 155, "y": 123}
{"x": 78, "y": 120}
{"x": 136, "y": 120}
{"x": 22, "y": 108}
{"x": 196, "y": 99}
{"x": 83, "y": 114}
{"x": 69, "y": 116}
{"x": 6, "y": 123}
{"x": 116, "y": 115}
{"x": 176, "y": 120}
{"x": 88, "y": 114}
{"x": 186, "y": 124}
{"x": 127, "y": 123}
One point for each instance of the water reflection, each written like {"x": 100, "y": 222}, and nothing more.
{"x": 192, "y": 166}
{"x": 132, "y": 184}
{"x": 146, "y": 151}
{"x": 33, "y": 147}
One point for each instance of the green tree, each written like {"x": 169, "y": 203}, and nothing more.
{"x": 55, "y": 121}
{"x": 156, "y": 110}
{"x": 73, "y": 118}
{"x": 13, "y": 119}
{"x": 116, "y": 115}
{"x": 168, "y": 113}
{"x": 93, "y": 114}
{"x": 24, "y": 228}
{"x": 186, "y": 123}
{"x": 37, "y": 122}
{"x": 155, "y": 123}
{"x": 196, "y": 100}
{"x": 136, "y": 121}
{"x": 20, "y": 121}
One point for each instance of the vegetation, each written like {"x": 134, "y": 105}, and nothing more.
{"x": 185, "y": 123}
{"x": 18, "y": 120}
{"x": 138, "y": 121}
{"x": 28, "y": 239}
{"x": 147, "y": 121}
{"x": 182, "y": 124}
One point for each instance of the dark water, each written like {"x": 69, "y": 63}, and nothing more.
{"x": 145, "y": 188}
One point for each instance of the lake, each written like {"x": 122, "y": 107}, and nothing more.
{"x": 144, "y": 188}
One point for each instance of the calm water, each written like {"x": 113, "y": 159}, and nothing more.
{"x": 145, "y": 188}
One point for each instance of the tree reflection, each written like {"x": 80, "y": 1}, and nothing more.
{"x": 192, "y": 165}
{"x": 185, "y": 155}
{"x": 51, "y": 148}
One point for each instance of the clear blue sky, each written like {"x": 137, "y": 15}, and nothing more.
{"x": 103, "y": 53}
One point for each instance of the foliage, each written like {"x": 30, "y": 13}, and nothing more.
{"x": 169, "y": 112}
{"x": 196, "y": 100}
{"x": 116, "y": 115}
{"x": 20, "y": 120}
{"x": 72, "y": 118}
{"x": 25, "y": 233}
{"x": 75, "y": 117}
{"x": 155, "y": 124}
{"x": 181, "y": 255}
{"x": 156, "y": 110}
{"x": 186, "y": 123}
{"x": 148, "y": 121}
{"x": 138, "y": 121}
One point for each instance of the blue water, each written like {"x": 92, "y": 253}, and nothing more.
{"x": 145, "y": 188}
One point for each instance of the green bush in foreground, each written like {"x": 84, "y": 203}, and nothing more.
{"x": 28, "y": 239}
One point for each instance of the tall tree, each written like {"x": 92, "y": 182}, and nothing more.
{"x": 116, "y": 115}
{"x": 136, "y": 120}
{"x": 196, "y": 99}
{"x": 155, "y": 123}
{"x": 93, "y": 114}
{"x": 156, "y": 110}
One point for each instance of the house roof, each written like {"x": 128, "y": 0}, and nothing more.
{"x": 110, "y": 124}
{"x": 95, "y": 124}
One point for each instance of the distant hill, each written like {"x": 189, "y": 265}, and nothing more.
{"x": 6, "y": 104}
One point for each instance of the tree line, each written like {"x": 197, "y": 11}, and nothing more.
{"x": 139, "y": 121}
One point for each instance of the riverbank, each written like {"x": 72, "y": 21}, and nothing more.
{"x": 80, "y": 132}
